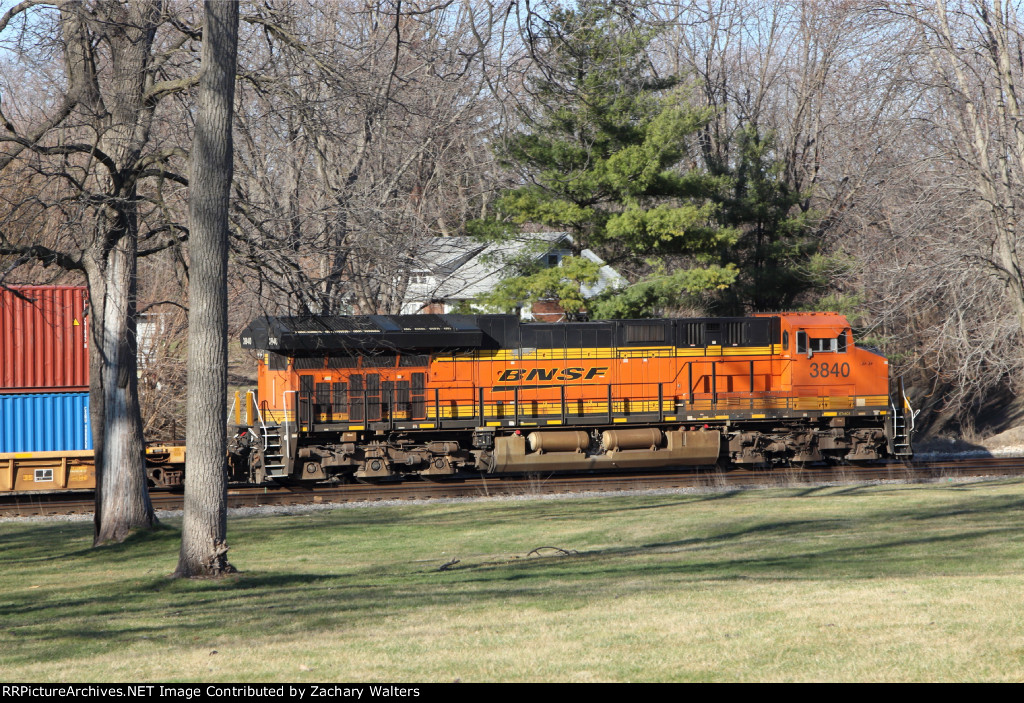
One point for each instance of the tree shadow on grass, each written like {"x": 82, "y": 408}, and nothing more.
{"x": 63, "y": 621}
{"x": 881, "y": 553}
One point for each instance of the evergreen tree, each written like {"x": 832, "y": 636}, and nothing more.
{"x": 775, "y": 252}
{"x": 605, "y": 154}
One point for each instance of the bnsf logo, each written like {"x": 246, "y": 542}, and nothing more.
{"x": 571, "y": 374}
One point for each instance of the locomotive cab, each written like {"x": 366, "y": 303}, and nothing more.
{"x": 826, "y": 363}
{"x": 848, "y": 384}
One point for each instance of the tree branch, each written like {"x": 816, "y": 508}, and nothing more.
{"x": 45, "y": 255}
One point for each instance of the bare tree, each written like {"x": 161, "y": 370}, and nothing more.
{"x": 976, "y": 54}
{"x": 823, "y": 79}
{"x": 204, "y": 531}
{"x": 363, "y": 132}
{"x": 935, "y": 233}
{"x": 103, "y": 180}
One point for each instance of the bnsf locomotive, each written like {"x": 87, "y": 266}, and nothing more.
{"x": 381, "y": 397}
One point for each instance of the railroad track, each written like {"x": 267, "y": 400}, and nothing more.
{"x": 81, "y": 502}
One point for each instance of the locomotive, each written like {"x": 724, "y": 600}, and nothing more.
{"x": 384, "y": 397}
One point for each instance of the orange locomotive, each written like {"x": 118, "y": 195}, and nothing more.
{"x": 379, "y": 397}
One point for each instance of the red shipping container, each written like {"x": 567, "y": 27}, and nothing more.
{"x": 43, "y": 340}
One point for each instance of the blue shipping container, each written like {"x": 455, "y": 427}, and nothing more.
{"x": 44, "y": 422}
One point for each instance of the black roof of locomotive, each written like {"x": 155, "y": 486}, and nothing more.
{"x": 363, "y": 332}
{"x": 375, "y": 333}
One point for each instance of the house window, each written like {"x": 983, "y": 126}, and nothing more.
{"x": 552, "y": 260}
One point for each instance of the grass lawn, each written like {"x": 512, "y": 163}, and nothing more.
{"x": 892, "y": 583}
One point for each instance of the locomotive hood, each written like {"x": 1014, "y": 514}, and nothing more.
{"x": 363, "y": 333}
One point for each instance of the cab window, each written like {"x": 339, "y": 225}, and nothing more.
{"x": 820, "y": 345}
{"x": 828, "y": 344}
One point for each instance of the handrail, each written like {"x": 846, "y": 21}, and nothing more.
{"x": 287, "y": 432}
{"x": 482, "y": 404}
{"x": 259, "y": 416}
{"x": 912, "y": 414}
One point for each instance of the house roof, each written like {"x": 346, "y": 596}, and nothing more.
{"x": 464, "y": 268}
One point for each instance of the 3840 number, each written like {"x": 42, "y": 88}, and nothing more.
{"x": 825, "y": 370}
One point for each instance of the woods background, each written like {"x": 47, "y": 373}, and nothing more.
{"x": 724, "y": 156}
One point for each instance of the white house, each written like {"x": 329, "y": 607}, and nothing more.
{"x": 453, "y": 270}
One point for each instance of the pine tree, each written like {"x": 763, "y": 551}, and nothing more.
{"x": 605, "y": 155}
{"x": 776, "y": 247}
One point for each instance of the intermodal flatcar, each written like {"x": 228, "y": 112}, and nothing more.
{"x": 45, "y": 430}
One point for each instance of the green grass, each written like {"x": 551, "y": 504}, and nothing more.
{"x": 894, "y": 583}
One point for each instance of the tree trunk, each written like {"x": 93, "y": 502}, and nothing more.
{"x": 87, "y": 131}
{"x": 204, "y": 532}
{"x": 122, "y": 494}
